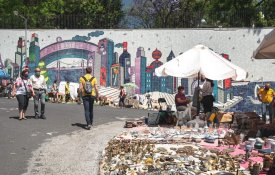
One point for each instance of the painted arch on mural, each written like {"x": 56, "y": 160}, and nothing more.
{"x": 67, "y": 49}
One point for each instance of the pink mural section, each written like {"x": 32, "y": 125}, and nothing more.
{"x": 67, "y": 45}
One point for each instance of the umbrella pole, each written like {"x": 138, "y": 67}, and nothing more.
{"x": 198, "y": 98}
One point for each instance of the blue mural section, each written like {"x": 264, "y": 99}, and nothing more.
{"x": 69, "y": 53}
{"x": 184, "y": 83}
{"x": 71, "y": 75}
{"x": 246, "y": 105}
{"x": 143, "y": 75}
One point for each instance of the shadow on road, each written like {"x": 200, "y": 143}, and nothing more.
{"x": 80, "y": 125}
{"x": 17, "y": 118}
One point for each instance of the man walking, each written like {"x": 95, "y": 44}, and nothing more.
{"x": 265, "y": 95}
{"x": 40, "y": 88}
{"x": 88, "y": 87}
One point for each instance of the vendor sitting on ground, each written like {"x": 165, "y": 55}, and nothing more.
{"x": 180, "y": 100}
{"x": 213, "y": 118}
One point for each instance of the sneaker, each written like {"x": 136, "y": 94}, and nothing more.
{"x": 43, "y": 116}
{"x": 89, "y": 127}
{"x": 36, "y": 116}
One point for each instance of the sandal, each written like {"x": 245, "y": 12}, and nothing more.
{"x": 24, "y": 118}
{"x": 20, "y": 118}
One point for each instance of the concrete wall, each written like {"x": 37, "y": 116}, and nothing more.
{"x": 238, "y": 43}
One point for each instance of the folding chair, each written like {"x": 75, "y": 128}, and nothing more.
{"x": 162, "y": 101}
{"x": 184, "y": 115}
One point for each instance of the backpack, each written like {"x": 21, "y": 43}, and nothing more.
{"x": 88, "y": 87}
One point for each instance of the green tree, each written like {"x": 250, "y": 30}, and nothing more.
{"x": 202, "y": 13}
{"x": 228, "y": 13}
{"x": 191, "y": 13}
{"x": 154, "y": 13}
{"x": 64, "y": 13}
{"x": 168, "y": 13}
{"x": 266, "y": 14}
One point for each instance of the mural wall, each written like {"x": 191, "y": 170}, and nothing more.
{"x": 122, "y": 56}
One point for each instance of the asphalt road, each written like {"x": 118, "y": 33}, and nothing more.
{"x": 19, "y": 138}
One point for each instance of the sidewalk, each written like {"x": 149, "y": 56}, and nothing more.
{"x": 75, "y": 153}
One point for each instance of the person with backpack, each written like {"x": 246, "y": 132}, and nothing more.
{"x": 88, "y": 87}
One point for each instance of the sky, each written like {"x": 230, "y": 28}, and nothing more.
{"x": 127, "y": 2}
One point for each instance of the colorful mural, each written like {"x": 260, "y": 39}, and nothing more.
{"x": 119, "y": 57}
{"x": 44, "y": 71}
{"x": 115, "y": 75}
{"x": 103, "y": 76}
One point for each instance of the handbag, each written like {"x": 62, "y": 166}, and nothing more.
{"x": 28, "y": 94}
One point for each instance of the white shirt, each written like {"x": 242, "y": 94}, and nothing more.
{"x": 207, "y": 89}
{"x": 20, "y": 87}
{"x": 38, "y": 82}
{"x": 195, "y": 84}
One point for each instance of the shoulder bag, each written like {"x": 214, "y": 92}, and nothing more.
{"x": 28, "y": 94}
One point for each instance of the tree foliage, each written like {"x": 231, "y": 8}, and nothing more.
{"x": 203, "y": 13}
{"x": 65, "y": 13}
{"x": 143, "y": 13}
{"x": 266, "y": 14}
{"x": 153, "y": 13}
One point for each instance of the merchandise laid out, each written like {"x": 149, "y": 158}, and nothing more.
{"x": 186, "y": 150}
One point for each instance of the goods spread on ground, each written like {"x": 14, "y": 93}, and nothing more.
{"x": 187, "y": 151}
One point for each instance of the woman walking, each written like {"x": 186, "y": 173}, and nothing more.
{"x": 23, "y": 90}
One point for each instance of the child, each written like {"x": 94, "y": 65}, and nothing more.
{"x": 213, "y": 119}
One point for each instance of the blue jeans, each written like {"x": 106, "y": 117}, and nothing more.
{"x": 88, "y": 102}
{"x": 267, "y": 107}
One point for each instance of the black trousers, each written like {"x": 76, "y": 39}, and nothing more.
{"x": 23, "y": 102}
{"x": 207, "y": 102}
{"x": 121, "y": 102}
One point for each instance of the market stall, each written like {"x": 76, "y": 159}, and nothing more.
{"x": 190, "y": 150}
